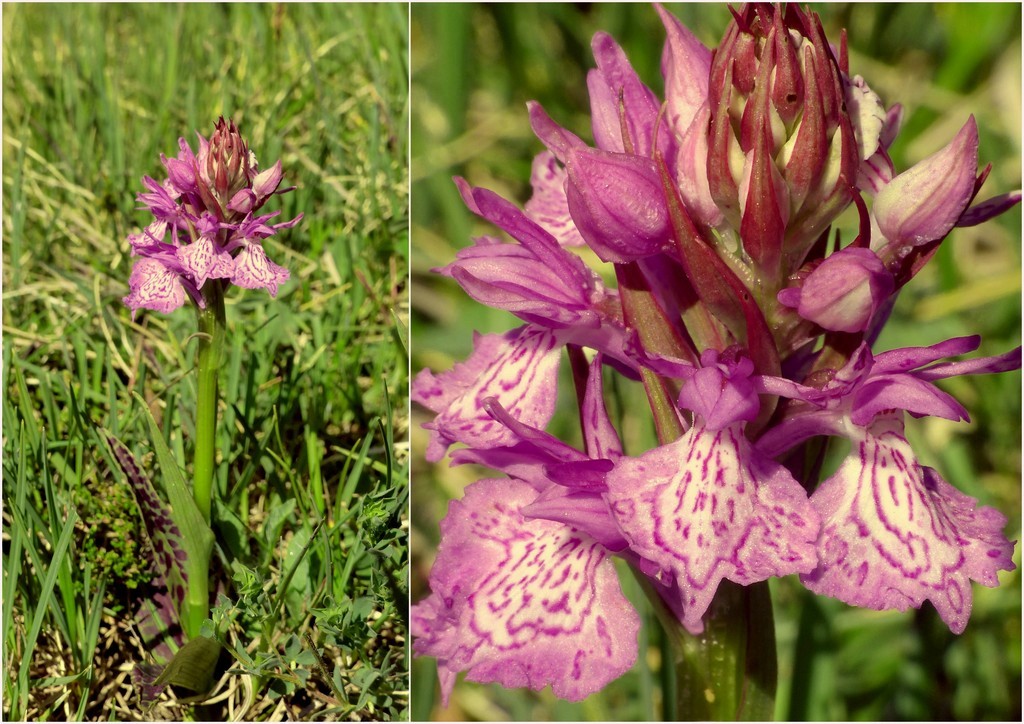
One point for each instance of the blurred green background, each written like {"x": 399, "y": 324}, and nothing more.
{"x": 314, "y": 385}
{"x": 474, "y": 68}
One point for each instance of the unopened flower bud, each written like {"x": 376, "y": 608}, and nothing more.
{"x": 924, "y": 202}
{"x": 226, "y": 167}
{"x": 843, "y": 293}
{"x": 777, "y": 99}
{"x": 617, "y": 203}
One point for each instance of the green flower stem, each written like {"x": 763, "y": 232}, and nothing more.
{"x": 211, "y": 343}
{"x": 643, "y": 313}
{"x": 196, "y": 607}
{"x": 729, "y": 671}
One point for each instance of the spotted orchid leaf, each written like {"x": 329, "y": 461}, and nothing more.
{"x": 159, "y": 616}
{"x": 196, "y": 536}
{"x": 156, "y": 618}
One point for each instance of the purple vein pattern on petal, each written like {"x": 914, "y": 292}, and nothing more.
{"x": 153, "y": 286}
{"x": 204, "y": 260}
{"x": 524, "y": 603}
{"x": 709, "y": 506}
{"x": 518, "y": 368}
{"x": 894, "y": 533}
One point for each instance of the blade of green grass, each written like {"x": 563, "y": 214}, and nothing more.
{"x": 45, "y": 603}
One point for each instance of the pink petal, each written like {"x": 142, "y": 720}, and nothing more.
{"x": 924, "y": 202}
{"x": 181, "y": 174}
{"x": 602, "y": 439}
{"x": 242, "y": 202}
{"x": 154, "y": 286}
{"x": 844, "y": 291}
{"x": 557, "y": 139}
{"x": 874, "y": 174}
{"x": 507, "y": 276}
{"x": 548, "y": 206}
{"x": 266, "y": 182}
{"x": 686, "y": 65}
{"x": 604, "y": 114}
{"x": 524, "y": 603}
{"x": 253, "y": 270}
{"x": 150, "y": 240}
{"x": 613, "y": 78}
{"x": 203, "y": 260}
{"x": 894, "y": 533}
{"x": 708, "y": 507}
{"x": 720, "y": 393}
{"x": 519, "y": 369}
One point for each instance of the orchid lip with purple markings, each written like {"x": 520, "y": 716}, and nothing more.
{"x": 710, "y": 505}
{"x": 894, "y": 533}
{"x": 523, "y": 602}
{"x": 524, "y": 591}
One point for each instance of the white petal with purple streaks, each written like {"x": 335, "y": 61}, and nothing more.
{"x": 895, "y": 533}
{"x": 519, "y": 369}
{"x": 708, "y": 506}
{"x": 523, "y": 602}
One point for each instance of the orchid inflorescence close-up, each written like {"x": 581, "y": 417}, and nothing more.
{"x": 751, "y": 327}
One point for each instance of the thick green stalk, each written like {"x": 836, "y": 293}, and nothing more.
{"x": 728, "y": 672}
{"x": 732, "y": 667}
{"x": 211, "y": 343}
